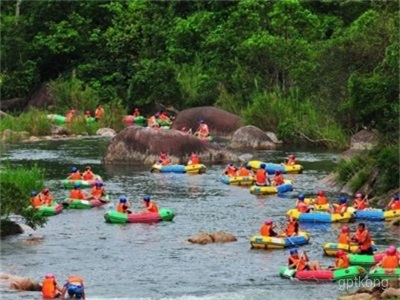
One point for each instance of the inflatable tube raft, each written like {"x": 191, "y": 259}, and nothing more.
{"x": 61, "y": 120}
{"x": 129, "y": 120}
{"x": 69, "y": 183}
{"x": 121, "y": 218}
{"x": 366, "y": 261}
{"x": 85, "y": 204}
{"x": 321, "y": 217}
{"x": 192, "y": 169}
{"x": 323, "y": 207}
{"x": 384, "y": 274}
{"x": 265, "y": 190}
{"x": 374, "y": 214}
{"x": 162, "y": 123}
{"x": 279, "y": 242}
{"x": 49, "y": 211}
{"x": 271, "y": 168}
{"x": 237, "y": 180}
{"x": 331, "y": 249}
{"x": 351, "y": 272}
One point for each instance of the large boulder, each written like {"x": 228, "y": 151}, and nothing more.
{"x": 58, "y": 130}
{"x": 219, "y": 122}
{"x": 251, "y": 137}
{"x": 204, "y": 238}
{"x": 10, "y": 135}
{"x": 106, "y": 132}
{"x": 391, "y": 293}
{"x": 19, "y": 283}
{"x": 361, "y": 141}
{"x": 15, "y": 104}
{"x": 143, "y": 145}
{"x": 9, "y": 228}
{"x": 41, "y": 98}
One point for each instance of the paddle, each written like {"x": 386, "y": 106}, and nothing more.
{"x": 284, "y": 232}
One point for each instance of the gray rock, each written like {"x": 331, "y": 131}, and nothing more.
{"x": 106, "y": 132}
{"x": 58, "y": 130}
{"x": 33, "y": 139}
{"x": 391, "y": 293}
{"x": 10, "y": 135}
{"x": 251, "y": 137}
{"x": 273, "y": 137}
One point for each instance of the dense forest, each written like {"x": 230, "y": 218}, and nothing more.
{"x": 305, "y": 69}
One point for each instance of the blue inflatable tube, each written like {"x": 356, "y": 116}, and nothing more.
{"x": 372, "y": 215}
{"x": 283, "y": 188}
{"x": 173, "y": 169}
{"x": 295, "y": 241}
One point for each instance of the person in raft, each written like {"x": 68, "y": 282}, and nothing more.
{"x": 344, "y": 236}
{"x": 136, "y": 112}
{"x": 278, "y": 178}
{"x": 245, "y": 171}
{"x": 267, "y": 228}
{"x": 301, "y": 262}
{"x": 360, "y": 203}
{"x": 390, "y": 260}
{"x": 203, "y": 130}
{"x": 293, "y": 227}
{"x": 88, "y": 114}
{"x": 149, "y": 205}
{"x": 341, "y": 208}
{"x": 74, "y": 287}
{"x": 321, "y": 199}
{"x": 50, "y": 289}
{"x": 342, "y": 261}
{"x": 230, "y": 170}
{"x": 152, "y": 121}
{"x": 98, "y": 190}
{"x": 394, "y": 203}
{"x": 193, "y": 159}
{"x": 98, "y": 113}
{"x": 45, "y": 197}
{"x": 290, "y": 161}
{"x": 88, "y": 174}
{"x": 76, "y": 193}
{"x": 35, "y": 200}
{"x": 164, "y": 117}
{"x": 363, "y": 238}
{"x": 70, "y": 115}
{"x": 262, "y": 178}
{"x": 165, "y": 160}
{"x": 301, "y": 206}
{"x": 123, "y": 206}
{"x": 75, "y": 174}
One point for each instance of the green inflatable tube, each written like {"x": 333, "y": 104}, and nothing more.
{"x": 69, "y": 183}
{"x": 122, "y": 218}
{"x": 48, "y": 211}
{"x": 381, "y": 273}
{"x": 61, "y": 120}
{"x": 85, "y": 204}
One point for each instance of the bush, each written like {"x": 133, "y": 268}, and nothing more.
{"x": 16, "y": 185}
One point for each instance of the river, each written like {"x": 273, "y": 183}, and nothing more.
{"x": 137, "y": 261}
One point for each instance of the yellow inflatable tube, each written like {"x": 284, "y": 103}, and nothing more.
{"x": 331, "y": 249}
{"x": 279, "y": 242}
{"x": 271, "y": 168}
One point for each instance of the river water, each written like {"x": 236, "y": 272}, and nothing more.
{"x": 137, "y": 261}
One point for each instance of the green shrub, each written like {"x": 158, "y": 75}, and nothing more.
{"x": 114, "y": 113}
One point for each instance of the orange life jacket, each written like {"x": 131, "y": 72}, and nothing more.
{"x": 46, "y": 199}
{"x": 344, "y": 238}
{"x": 291, "y": 161}
{"x": 165, "y": 161}
{"x": 204, "y": 129}
{"x": 76, "y": 194}
{"x": 360, "y": 204}
{"x": 291, "y": 228}
{"x": 35, "y": 201}
{"x": 301, "y": 262}
{"x": 152, "y": 207}
{"x": 231, "y": 171}
{"x": 366, "y": 244}
{"x": 342, "y": 262}
{"x": 341, "y": 208}
{"x": 261, "y": 176}
{"x": 390, "y": 262}
{"x": 302, "y": 207}
{"x": 88, "y": 175}
{"x": 279, "y": 179}
{"x": 195, "y": 159}
{"x": 244, "y": 172}
{"x": 75, "y": 279}
{"x": 395, "y": 205}
{"x": 121, "y": 208}
{"x": 75, "y": 176}
{"x": 49, "y": 289}
{"x": 265, "y": 230}
{"x": 97, "y": 191}
{"x": 163, "y": 117}
{"x": 99, "y": 112}
{"x": 321, "y": 200}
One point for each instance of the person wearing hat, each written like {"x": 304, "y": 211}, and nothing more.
{"x": 230, "y": 170}
{"x": 45, "y": 197}
{"x": 344, "y": 236}
{"x": 293, "y": 227}
{"x": 301, "y": 206}
{"x": 50, "y": 289}
{"x": 245, "y": 170}
{"x": 360, "y": 203}
{"x": 35, "y": 200}
{"x": 321, "y": 198}
{"x": 75, "y": 174}
{"x": 261, "y": 177}
{"x": 301, "y": 262}
{"x": 203, "y": 130}
{"x": 136, "y": 112}
{"x": 193, "y": 159}
{"x": 123, "y": 205}
{"x": 341, "y": 208}
{"x": 291, "y": 160}
{"x": 165, "y": 160}
{"x": 76, "y": 193}
{"x": 394, "y": 203}
{"x": 88, "y": 114}
{"x": 88, "y": 174}
{"x": 98, "y": 190}
{"x": 267, "y": 228}
{"x": 390, "y": 260}
{"x": 149, "y": 205}
{"x": 342, "y": 260}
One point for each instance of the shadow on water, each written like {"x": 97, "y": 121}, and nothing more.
{"x": 140, "y": 261}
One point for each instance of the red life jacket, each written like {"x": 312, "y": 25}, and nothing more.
{"x": 261, "y": 176}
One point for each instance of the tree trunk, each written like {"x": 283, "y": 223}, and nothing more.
{"x": 17, "y": 8}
